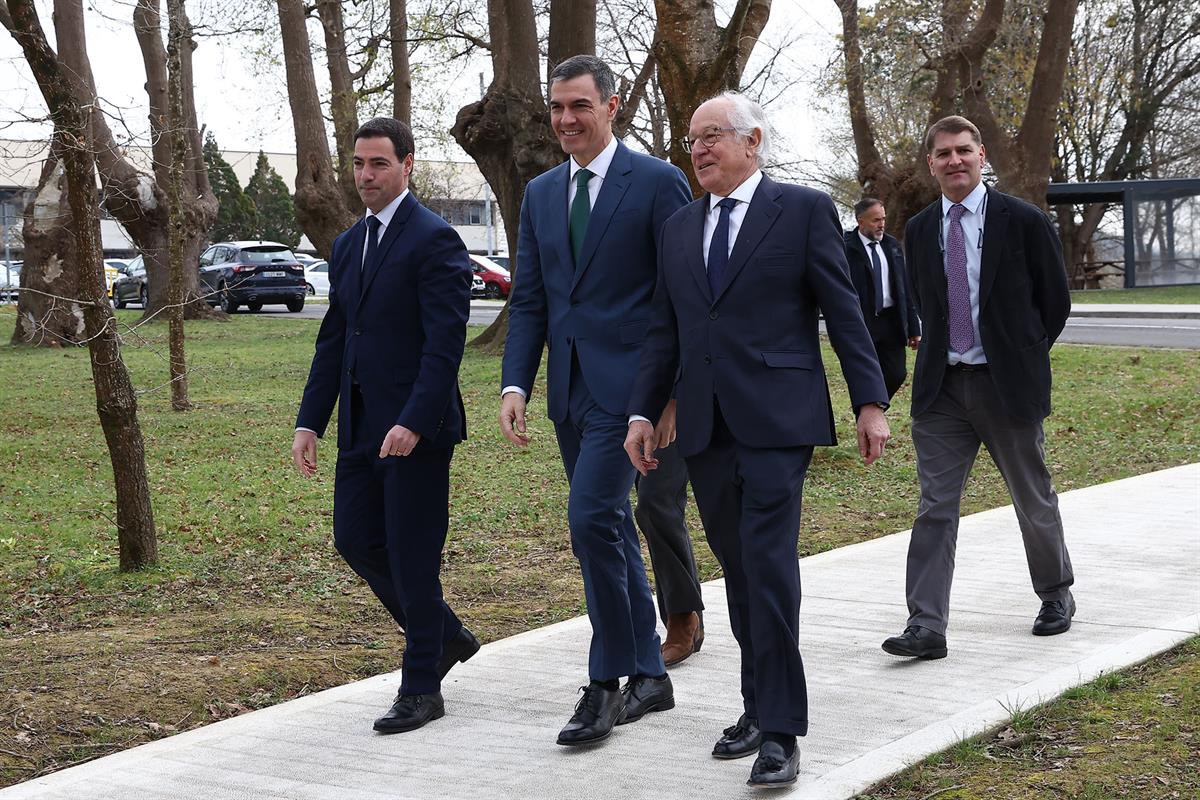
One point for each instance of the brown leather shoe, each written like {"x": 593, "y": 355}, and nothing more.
{"x": 685, "y": 634}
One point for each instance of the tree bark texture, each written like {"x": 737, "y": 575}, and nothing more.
{"x": 401, "y": 73}
{"x": 568, "y": 37}
{"x": 177, "y": 39}
{"x": 343, "y": 100}
{"x": 116, "y": 403}
{"x": 321, "y": 208}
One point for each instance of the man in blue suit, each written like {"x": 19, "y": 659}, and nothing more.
{"x": 585, "y": 278}
{"x": 744, "y": 272}
{"x": 388, "y": 353}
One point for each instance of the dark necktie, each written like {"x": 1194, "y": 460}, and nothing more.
{"x": 958, "y": 291}
{"x": 718, "y": 248}
{"x": 372, "y": 243}
{"x": 581, "y": 209}
{"x": 878, "y": 269}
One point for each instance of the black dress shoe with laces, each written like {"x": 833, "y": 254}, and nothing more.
{"x": 739, "y": 740}
{"x": 1055, "y": 617}
{"x": 917, "y": 642}
{"x": 411, "y": 711}
{"x": 644, "y": 694}
{"x": 774, "y": 767}
{"x": 457, "y": 650}
{"x": 595, "y": 715}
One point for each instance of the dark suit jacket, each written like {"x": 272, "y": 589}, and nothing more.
{"x": 599, "y": 308}
{"x": 755, "y": 346}
{"x": 1023, "y": 302}
{"x": 398, "y": 330}
{"x": 862, "y": 273}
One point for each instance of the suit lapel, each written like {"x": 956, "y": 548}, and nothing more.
{"x": 862, "y": 264}
{"x": 934, "y": 264}
{"x": 352, "y": 264}
{"x": 612, "y": 189}
{"x": 390, "y": 234}
{"x": 694, "y": 248}
{"x": 995, "y": 226}
{"x": 760, "y": 216}
{"x": 560, "y": 214}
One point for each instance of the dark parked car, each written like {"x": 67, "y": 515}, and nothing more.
{"x": 253, "y": 274}
{"x": 131, "y": 287}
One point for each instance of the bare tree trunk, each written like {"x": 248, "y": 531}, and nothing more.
{"x": 176, "y": 41}
{"x": 508, "y": 133}
{"x": 48, "y": 315}
{"x": 568, "y": 37}
{"x": 321, "y": 207}
{"x": 343, "y": 101}
{"x": 697, "y": 59}
{"x": 401, "y": 74}
{"x": 115, "y": 400}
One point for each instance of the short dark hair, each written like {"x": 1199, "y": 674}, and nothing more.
{"x": 573, "y": 67}
{"x": 952, "y": 124}
{"x": 394, "y": 129}
{"x": 865, "y": 205}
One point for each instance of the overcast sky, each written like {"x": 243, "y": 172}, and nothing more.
{"x": 245, "y": 104}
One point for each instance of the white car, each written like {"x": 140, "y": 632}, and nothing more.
{"x": 316, "y": 276}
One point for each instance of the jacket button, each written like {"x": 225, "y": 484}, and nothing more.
{"x": 713, "y": 315}
{"x": 357, "y": 332}
{"x": 707, "y": 360}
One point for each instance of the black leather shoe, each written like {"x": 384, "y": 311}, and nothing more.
{"x": 595, "y": 715}
{"x": 773, "y": 768}
{"x": 1055, "y": 617}
{"x": 644, "y": 694}
{"x": 739, "y": 740}
{"x": 411, "y": 711}
{"x": 917, "y": 642}
{"x": 457, "y": 650}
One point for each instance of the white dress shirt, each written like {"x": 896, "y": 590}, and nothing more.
{"x": 744, "y": 193}
{"x": 884, "y": 267}
{"x": 975, "y": 204}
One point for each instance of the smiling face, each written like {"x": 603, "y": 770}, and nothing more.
{"x": 581, "y": 119}
{"x": 731, "y": 160}
{"x": 871, "y": 222}
{"x": 956, "y": 162}
{"x": 379, "y": 175}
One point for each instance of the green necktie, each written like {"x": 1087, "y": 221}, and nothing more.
{"x": 581, "y": 209}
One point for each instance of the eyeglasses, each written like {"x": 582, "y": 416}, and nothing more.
{"x": 709, "y": 138}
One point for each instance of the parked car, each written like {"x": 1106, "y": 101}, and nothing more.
{"x": 316, "y": 278}
{"x": 501, "y": 260}
{"x": 253, "y": 274}
{"x": 10, "y": 281}
{"x": 496, "y": 279}
{"x": 306, "y": 260}
{"x": 131, "y": 286}
{"x": 112, "y": 271}
{"x": 478, "y": 287}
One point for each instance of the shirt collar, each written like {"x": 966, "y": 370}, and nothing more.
{"x": 743, "y": 193}
{"x": 971, "y": 202}
{"x": 600, "y": 164}
{"x": 389, "y": 211}
{"x": 866, "y": 240}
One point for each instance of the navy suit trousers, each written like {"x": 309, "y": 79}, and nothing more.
{"x": 604, "y": 539}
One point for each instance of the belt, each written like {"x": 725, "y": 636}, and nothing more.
{"x": 963, "y": 367}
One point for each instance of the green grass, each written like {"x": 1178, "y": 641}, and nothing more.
{"x": 251, "y": 604}
{"x": 1150, "y": 294}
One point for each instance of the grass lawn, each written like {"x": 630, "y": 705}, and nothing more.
{"x": 1150, "y": 294}
{"x": 251, "y": 604}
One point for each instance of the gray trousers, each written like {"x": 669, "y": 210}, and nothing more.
{"x": 661, "y": 500}
{"x": 966, "y": 413}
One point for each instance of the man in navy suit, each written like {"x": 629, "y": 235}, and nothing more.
{"x": 585, "y": 278}
{"x": 988, "y": 278}
{"x": 388, "y": 353}
{"x": 877, "y": 269}
{"x": 744, "y": 272}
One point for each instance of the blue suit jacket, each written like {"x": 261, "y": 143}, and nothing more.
{"x": 755, "y": 345}
{"x": 398, "y": 330}
{"x": 599, "y": 308}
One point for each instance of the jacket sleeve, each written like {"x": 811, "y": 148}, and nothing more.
{"x": 1049, "y": 274}
{"x": 527, "y": 310}
{"x": 325, "y": 373}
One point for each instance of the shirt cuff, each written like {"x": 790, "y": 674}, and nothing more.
{"x": 637, "y": 418}
{"x": 310, "y": 430}
{"x": 517, "y": 389}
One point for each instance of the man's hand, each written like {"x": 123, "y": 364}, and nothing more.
{"x": 639, "y": 446}
{"x": 665, "y": 430}
{"x": 512, "y": 418}
{"x": 873, "y": 433}
{"x": 304, "y": 453}
{"x": 914, "y": 341}
{"x": 399, "y": 441}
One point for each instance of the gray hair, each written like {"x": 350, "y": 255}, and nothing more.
{"x": 744, "y": 116}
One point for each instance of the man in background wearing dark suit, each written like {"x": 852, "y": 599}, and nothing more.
{"x": 877, "y": 269}
{"x": 989, "y": 282}
{"x": 387, "y": 354}
{"x": 743, "y": 273}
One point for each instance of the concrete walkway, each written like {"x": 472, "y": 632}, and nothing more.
{"x": 1136, "y": 548}
{"x": 1155, "y": 310}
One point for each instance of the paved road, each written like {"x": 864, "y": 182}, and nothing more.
{"x": 483, "y": 312}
